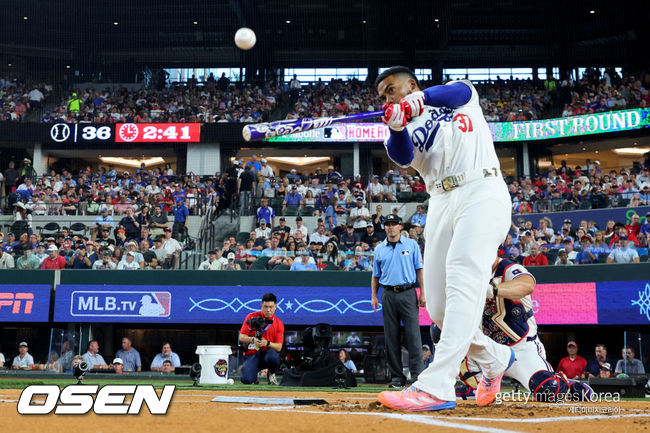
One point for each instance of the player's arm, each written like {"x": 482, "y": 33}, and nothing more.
{"x": 399, "y": 147}
{"x": 514, "y": 290}
{"x": 451, "y": 95}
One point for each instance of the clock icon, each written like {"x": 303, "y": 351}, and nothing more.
{"x": 128, "y": 132}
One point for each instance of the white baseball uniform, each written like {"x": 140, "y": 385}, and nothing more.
{"x": 465, "y": 225}
{"x": 512, "y": 323}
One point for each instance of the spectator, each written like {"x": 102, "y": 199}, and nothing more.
{"x": 266, "y": 213}
{"x": 105, "y": 261}
{"x": 419, "y": 217}
{"x": 23, "y": 360}
{"x": 80, "y": 259}
{"x": 629, "y": 364}
{"x": 92, "y": 356}
{"x": 11, "y": 178}
{"x": 303, "y": 264}
{"x": 344, "y": 357}
{"x": 6, "y": 260}
{"x": 273, "y": 249}
{"x": 377, "y": 219}
{"x": 165, "y": 355}
{"x": 359, "y": 215}
{"x": 293, "y": 199}
{"x": 600, "y": 361}
{"x": 128, "y": 262}
{"x": 118, "y": 366}
{"x": 103, "y": 221}
{"x": 299, "y": 228}
{"x": 573, "y": 365}
{"x": 54, "y": 260}
{"x": 158, "y": 222}
{"x": 562, "y": 258}
{"x": 212, "y": 263}
{"x": 283, "y": 230}
{"x": 231, "y": 264}
{"x": 587, "y": 255}
{"x": 263, "y": 231}
{"x": 535, "y": 258}
{"x": 246, "y": 185}
{"x": 349, "y": 239}
{"x": 181, "y": 215}
{"x": 375, "y": 190}
{"x": 171, "y": 245}
{"x": 370, "y": 236}
{"x": 568, "y": 247}
{"x": 621, "y": 253}
{"x": 331, "y": 215}
{"x": 129, "y": 355}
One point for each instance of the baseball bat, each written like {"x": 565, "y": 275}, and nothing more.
{"x": 260, "y": 131}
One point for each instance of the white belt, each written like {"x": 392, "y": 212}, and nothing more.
{"x": 453, "y": 182}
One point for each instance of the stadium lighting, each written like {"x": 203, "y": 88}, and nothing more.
{"x": 25, "y": 18}
{"x": 115, "y": 23}
{"x": 298, "y": 161}
{"x": 364, "y": 21}
{"x": 437, "y": 20}
{"x": 592, "y": 11}
{"x": 131, "y": 162}
{"x": 67, "y": 66}
{"x": 288, "y": 21}
{"x": 196, "y": 22}
{"x": 632, "y": 150}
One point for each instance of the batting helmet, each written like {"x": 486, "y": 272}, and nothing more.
{"x": 546, "y": 386}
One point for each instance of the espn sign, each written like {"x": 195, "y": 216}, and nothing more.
{"x": 24, "y": 303}
{"x": 109, "y": 400}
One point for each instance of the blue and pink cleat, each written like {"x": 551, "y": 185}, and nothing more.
{"x": 412, "y": 399}
{"x": 488, "y": 388}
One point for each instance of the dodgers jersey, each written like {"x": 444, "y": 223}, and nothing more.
{"x": 505, "y": 321}
{"x": 450, "y": 141}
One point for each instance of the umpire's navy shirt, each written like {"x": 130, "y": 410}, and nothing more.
{"x": 395, "y": 263}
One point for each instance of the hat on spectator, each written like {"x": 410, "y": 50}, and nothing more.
{"x": 50, "y": 239}
{"x": 571, "y": 343}
{"x": 27, "y": 160}
{"x": 561, "y": 250}
{"x": 426, "y": 347}
{"x": 416, "y": 225}
{"x": 393, "y": 219}
{"x": 567, "y": 221}
{"x": 293, "y": 170}
{"x": 622, "y": 236}
{"x": 167, "y": 229}
{"x": 567, "y": 240}
{"x": 52, "y": 248}
{"x": 586, "y": 238}
{"x": 23, "y": 343}
{"x": 282, "y": 219}
{"x": 103, "y": 209}
{"x": 597, "y": 162}
{"x": 330, "y": 167}
{"x": 118, "y": 361}
{"x": 159, "y": 239}
{"x": 605, "y": 366}
{"x": 359, "y": 198}
{"x": 121, "y": 231}
{"x": 298, "y": 218}
{"x": 262, "y": 221}
{"x": 212, "y": 252}
{"x": 231, "y": 256}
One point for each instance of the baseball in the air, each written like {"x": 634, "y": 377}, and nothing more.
{"x": 245, "y": 38}
{"x": 231, "y": 382}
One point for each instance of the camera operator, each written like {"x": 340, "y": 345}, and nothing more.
{"x": 263, "y": 334}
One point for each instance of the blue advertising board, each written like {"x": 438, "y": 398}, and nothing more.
{"x": 297, "y": 305}
{"x": 24, "y": 302}
{"x": 601, "y": 216}
{"x": 623, "y": 302}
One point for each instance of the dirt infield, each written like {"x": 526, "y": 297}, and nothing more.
{"x": 193, "y": 409}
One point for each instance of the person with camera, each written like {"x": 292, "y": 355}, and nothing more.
{"x": 263, "y": 334}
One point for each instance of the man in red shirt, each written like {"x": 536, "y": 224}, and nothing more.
{"x": 535, "y": 258}
{"x": 263, "y": 352}
{"x": 634, "y": 226}
{"x": 573, "y": 365}
{"x": 54, "y": 260}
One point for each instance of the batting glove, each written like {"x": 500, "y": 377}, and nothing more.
{"x": 394, "y": 116}
{"x": 413, "y": 104}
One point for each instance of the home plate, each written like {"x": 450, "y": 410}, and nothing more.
{"x": 269, "y": 400}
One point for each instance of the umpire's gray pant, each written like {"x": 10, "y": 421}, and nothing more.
{"x": 395, "y": 307}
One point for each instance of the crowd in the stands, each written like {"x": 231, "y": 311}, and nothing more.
{"x": 17, "y": 97}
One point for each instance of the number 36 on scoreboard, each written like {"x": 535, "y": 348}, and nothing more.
{"x": 157, "y": 132}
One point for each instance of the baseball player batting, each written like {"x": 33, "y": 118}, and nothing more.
{"x": 508, "y": 319}
{"x": 441, "y": 132}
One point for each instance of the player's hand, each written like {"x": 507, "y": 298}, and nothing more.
{"x": 413, "y": 104}
{"x": 394, "y": 116}
{"x": 374, "y": 302}
{"x": 421, "y": 301}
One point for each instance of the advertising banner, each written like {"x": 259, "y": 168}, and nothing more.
{"x": 157, "y": 132}
{"x": 601, "y": 216}
{"x": 587, "y": 124}
{"x": 24, "y": 302}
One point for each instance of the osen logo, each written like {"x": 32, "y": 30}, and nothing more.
{"x": 78, "y": 399}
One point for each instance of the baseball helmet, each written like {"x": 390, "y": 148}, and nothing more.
{"x": 547, "y": 386}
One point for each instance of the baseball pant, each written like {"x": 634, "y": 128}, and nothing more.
{"x": 262, "y": 359}
{"x": 395, "y": 307}
{"x": 465, "y": 226}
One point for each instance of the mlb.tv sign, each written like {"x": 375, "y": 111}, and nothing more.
{"x": 24, "y": 303}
